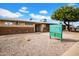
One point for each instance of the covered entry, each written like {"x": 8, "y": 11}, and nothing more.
{"x": 37, "y": 27}
{"x": 41, "y": 27}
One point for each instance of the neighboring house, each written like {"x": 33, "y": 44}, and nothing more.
{"x": 8, "y": 26}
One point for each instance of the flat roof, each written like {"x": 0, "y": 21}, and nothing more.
{"x": 23, "y": 20}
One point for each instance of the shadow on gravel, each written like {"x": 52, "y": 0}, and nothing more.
{"x": 75, "y": 31}
{"x": 70, "y": 40}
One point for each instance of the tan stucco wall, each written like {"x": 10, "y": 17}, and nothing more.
{"x": 34, "y": 27}
{"x": 21, "y": 24}
{"x": 42, "y": 27}
{"x": 1, "y": 22}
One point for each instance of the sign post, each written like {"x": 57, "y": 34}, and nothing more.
{"x": 56, "y": 31}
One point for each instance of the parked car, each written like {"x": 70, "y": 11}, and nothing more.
{"x": 74, "y": 28}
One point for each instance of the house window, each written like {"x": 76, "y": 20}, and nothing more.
{"x": 17, "y": 23}
{"x": 28, "y": 23}
{"x": 8, "y": 23}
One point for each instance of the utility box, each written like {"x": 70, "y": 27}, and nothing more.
{"x": 56, "y": 31}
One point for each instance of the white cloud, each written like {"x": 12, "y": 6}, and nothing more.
{"x": 43, "y": 12}
{"x": 24, "y": 10}
{"x": 9, "y": 14}
{"x": 71, "y": 4}
{"x": 39, "y": 17}
{"x": 18, "y": 14}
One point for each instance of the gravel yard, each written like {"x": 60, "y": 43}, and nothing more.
{"x": 36, "y": 44}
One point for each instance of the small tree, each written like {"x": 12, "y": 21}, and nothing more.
{"x": 30, "y": 19}
{"x": 45, "y": 20}
{"x": 66, "y": 14}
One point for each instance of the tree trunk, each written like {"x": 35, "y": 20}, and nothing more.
{"x": 75, "y": 29}
{"x": 65, "y": 23}
{"x": 68, "y": 26}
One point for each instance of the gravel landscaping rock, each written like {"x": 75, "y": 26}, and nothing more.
{"x": 36, "y": 44}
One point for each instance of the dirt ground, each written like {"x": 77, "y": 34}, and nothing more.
{"x": 36, "y": 44}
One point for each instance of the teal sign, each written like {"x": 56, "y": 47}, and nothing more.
{"x": 56, "y": 31}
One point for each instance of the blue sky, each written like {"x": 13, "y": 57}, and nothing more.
{"x": 32, "y": 7}
{"x": 37, "y": 11}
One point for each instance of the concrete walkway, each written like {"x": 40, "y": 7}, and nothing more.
{"x": 73, "y": 51}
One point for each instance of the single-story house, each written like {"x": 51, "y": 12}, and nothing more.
{"x": 10, "y": 26}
